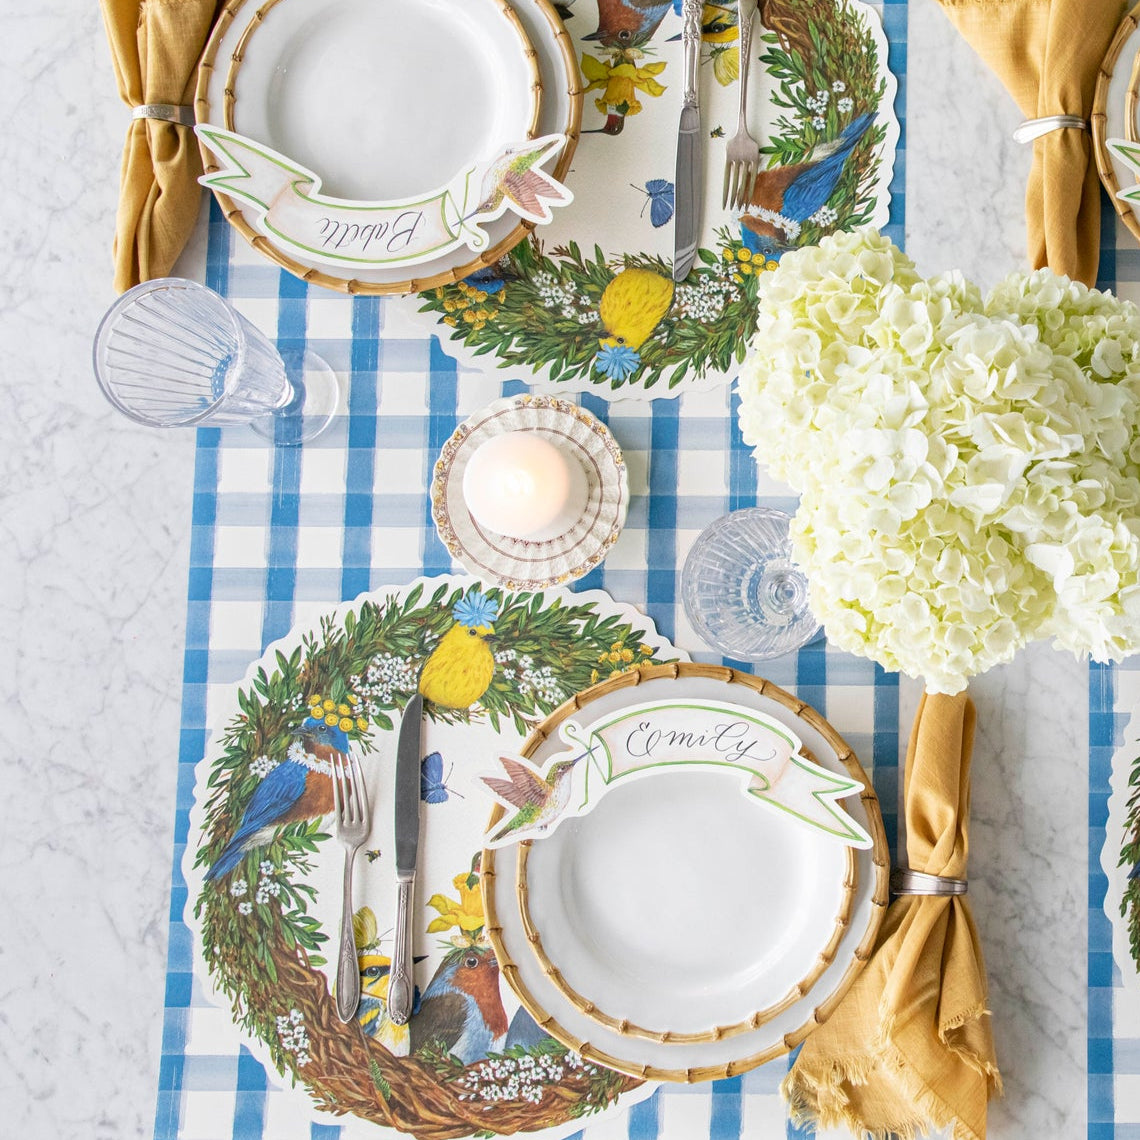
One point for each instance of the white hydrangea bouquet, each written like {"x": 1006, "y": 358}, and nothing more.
{"x": 969, "y": 468}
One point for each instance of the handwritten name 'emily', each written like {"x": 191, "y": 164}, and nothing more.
{"x": 735, "y": 741}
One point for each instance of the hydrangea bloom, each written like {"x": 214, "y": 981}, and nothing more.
{"x": 969, "y": 469}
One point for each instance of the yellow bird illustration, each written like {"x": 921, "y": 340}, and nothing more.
{"x": 375, "y": 968}
{"x": 459, "y": 669}
{"x": 372, "y": 1013}
{"x": 632, "y": 306}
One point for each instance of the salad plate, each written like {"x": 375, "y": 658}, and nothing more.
{"x": 756, "y": 902}
{"x": 597, "y": 896}
{"x": 341, "y": 88}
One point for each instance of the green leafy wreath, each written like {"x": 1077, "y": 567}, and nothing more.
{"x": 545, "y": 309}
{"x": 1130, "y": 857}
{"x": 262, "y": 946}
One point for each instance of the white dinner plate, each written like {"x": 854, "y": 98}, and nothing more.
{"x": 681, "y": 907}
{"x": 599, "y": 941}
{"x": 313, "y": 82}
{"x": 386, "y": 99}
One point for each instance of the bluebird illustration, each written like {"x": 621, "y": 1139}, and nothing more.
{"x": 797, "y": 192}
{"x": 299, "y": 787}
{"x": 461, "y": 1011}
{"x": 459, "y": 670}
{"x": 628, "y": 23}
{"x": 537, "y": 800}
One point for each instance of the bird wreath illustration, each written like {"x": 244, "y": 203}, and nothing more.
{"x": 615, "y": 319}
{"x": 1130, "y": 858}
{"x": 491, "y": 659}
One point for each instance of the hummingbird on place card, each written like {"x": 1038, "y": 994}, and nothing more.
{"x": 538, "y": 800}
{"x": 515, "y": 177}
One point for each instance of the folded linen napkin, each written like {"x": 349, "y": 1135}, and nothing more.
{"x": 155, "y": 45}
{"x": 909, "y": 1048}
{"x": 1047, "y": 53}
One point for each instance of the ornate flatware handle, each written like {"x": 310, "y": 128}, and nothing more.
{"x": 400, "y": 984}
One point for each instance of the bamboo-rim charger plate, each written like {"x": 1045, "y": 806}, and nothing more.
{"x": 1114, "y": 116}
{"x": 817, "y": 972}
{"x": 301, "y": 79}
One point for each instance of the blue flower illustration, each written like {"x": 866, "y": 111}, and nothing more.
{"x": 476, "y": 609}
{"x": 617, "y": 361}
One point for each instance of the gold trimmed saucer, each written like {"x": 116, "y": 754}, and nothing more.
{"x": 522, "y": 563}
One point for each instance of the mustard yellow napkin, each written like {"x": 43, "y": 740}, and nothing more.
{"x": 909, "y": 1048}
{"x": 1047, "y": 53}
{"x": 155, "y": 45}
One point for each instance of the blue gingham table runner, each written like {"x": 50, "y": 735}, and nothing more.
{"x": 1114, "y": 693}
{"x": 282, "y": 536}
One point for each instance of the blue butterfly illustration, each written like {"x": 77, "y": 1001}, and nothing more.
{"x": 433, "y": 783}
{"x": 659, "y": 196}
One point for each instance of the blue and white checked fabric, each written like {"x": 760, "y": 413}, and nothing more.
{"x": 1114, "y": 692}
{"x": 280, "y": 537}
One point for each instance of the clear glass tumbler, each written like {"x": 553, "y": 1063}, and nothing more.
{"x": 173, "y": 353}
{"x": 741, "y": 590}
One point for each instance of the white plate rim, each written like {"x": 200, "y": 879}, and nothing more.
{"x": 731, "y": 1056}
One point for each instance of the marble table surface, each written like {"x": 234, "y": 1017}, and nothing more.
{"x": 94, "y": 537}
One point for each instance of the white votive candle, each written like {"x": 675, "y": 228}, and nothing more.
{"x": 521, "y": 485}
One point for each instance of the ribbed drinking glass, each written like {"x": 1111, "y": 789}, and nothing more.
{"x": 173, "y": 353}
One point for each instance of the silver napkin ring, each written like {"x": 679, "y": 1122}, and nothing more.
{"x": 1034, "y": 128}
{"x": 167, "y": 112}
{"x": 904, "y": 882}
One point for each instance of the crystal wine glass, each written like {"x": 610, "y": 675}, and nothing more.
{"x": 741, "y": 590}
{"x": 173, "y": 353}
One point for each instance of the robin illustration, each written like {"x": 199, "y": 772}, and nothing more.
{"x": 298, "y": 787}
{"x": 797, "y": 192}
{"x": 461, "y": 1011}
{"x": 459, "y": 670}
{"x": 628, "y": 23}
{"x": 537, "y": 800}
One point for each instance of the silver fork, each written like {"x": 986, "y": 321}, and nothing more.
{"x": 353, "y": 821}
{"x": 742, "y": 156}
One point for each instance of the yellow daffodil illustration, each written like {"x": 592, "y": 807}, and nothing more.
{"x": 620, "y": 82}
{"x": 465, "y": 913}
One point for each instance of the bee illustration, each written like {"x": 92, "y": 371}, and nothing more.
{"x": 373, "y": 855}
{"x": 716, "y": 133}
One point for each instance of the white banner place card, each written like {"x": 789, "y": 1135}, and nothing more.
{"x": 291, "y": 209}
{"x": 637, "y": 742}
{"x": 1129, "y": 154}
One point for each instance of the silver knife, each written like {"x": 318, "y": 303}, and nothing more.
{"x": 689, "y": 182}
{"x": 401, "y": 985}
